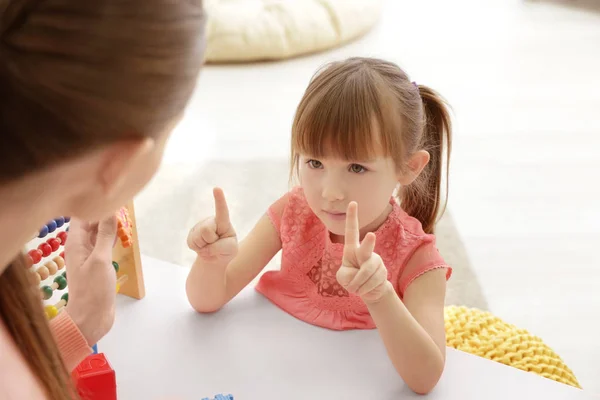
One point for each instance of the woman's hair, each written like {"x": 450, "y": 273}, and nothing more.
{"x": 353, "y": 108}
{"x": 74, "y": 76}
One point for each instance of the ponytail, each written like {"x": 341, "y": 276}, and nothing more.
{"x": 22, "y": 313}
{"x": 422, "y": 199}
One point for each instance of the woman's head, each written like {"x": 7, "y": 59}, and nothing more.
{"x": 361, "y": 130}
{"x": 91, "y": 90}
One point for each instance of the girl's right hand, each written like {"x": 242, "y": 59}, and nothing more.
{"x": 214, "y": 239}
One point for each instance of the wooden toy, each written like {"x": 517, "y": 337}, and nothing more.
{"x": 46, "y": 259}
{"x": 95, "y": 379}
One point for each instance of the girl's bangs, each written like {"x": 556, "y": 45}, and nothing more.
{"x": 347, "y": 117}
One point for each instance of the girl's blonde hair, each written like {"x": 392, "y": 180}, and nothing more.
{"x": 353, "y": 108}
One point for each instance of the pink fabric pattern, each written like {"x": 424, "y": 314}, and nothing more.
{"x": 306, "y": 286}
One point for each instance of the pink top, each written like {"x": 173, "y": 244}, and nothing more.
{"x": 306, "y": 286}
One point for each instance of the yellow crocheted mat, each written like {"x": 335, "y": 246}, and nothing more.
{"x": 483, "y": 334}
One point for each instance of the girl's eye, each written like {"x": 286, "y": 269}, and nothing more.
{"x": 357, "y": 169}
{"x": 316, "y": 164}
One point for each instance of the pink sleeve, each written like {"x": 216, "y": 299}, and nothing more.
{"x": 425, "y": 258}
{"x": 275, "y": 211}
{"x": 72, "y": 345}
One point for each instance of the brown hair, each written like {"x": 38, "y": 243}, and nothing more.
{"x": 353, "y": 108}
{"x": 75, "y": 75}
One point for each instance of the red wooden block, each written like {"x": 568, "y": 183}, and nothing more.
{"x": 95, "y": 378}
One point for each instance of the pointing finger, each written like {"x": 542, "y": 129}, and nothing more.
{"x": 221, "y": 212}
{"x": 352, "y": 238}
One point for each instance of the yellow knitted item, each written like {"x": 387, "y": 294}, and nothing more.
{"x": 485, "y": 335}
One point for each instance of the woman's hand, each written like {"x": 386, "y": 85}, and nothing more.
{"x": 362, "y": 271}
{"x": 91, "y": 276}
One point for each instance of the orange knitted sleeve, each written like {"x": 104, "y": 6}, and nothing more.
{"x": 72, "y": 345}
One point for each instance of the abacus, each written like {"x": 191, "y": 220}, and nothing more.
{"x": 46, "y": 257}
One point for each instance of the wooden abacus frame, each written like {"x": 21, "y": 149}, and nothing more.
{"x": 130, "y": 263}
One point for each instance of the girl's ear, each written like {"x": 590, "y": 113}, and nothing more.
{"x": 415, "y": 164}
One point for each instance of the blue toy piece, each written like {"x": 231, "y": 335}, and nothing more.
{"x": 43, "y": 231}
{"x": 60, "y": 221}
{"x": 95, "y": 348}
{"x": 67, "y": 219}
{"x": 220, "y": 397}
{"x": 51, "y": 226}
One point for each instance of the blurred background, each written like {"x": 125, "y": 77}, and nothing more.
{"x": 522, "y": 228}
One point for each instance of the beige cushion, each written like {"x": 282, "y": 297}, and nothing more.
{"x": 254, "y": 30}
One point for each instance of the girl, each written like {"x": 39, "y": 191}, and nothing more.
{"x": 355, "y": 256}
{"x": 90, "y": 92}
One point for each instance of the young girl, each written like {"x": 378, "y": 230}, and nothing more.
{"x": 355, "y": 256}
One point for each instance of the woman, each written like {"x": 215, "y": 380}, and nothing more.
{"x": 90, "y": 91}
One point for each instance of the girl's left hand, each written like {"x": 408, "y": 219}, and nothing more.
{"x": 362, "y": 271}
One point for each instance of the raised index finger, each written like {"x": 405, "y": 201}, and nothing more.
{"x": 352, "y": 237}
{"x": 221, "y": 211}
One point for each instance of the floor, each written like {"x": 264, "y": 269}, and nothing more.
{"x": 523, "y": 79}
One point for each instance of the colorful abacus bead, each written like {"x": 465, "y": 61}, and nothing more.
{"x": 52, "y": 267}
{"x": 46, "y": 292}
{"x": 51, "y": 311}
{"x": 35, "y": 255}
{"x": 65, "y": 297}
{"x": 67, "y": 219}
{"x": 116, "y": 266}
{"x": 43, "y": 231}
{"x": 51, "y": 226}
{"x": 124, "y": 227}
{"x": 43, "y": 272}
{"x": 37, "y": 278}
{"x": 54, "y": 243}
{"x": 62, "y": 237}
{"x": 59, "y": 261}
{"x": 61, "y": 281}
{"x": 60, "y": 221}
{"x": 46, "y": 249}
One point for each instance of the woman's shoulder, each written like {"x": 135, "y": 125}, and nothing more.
{"x": 16, "y": 379}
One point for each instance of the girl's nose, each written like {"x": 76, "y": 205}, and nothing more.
{"x": 332, "y": 191}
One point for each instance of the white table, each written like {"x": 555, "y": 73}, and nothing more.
{"x": 160, "y": 348}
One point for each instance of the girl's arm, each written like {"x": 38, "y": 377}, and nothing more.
{"x": 413, "y": 331}
{"x": 212, "y": 285}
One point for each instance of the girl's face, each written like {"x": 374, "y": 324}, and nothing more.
{"x": 330, "y": 184}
